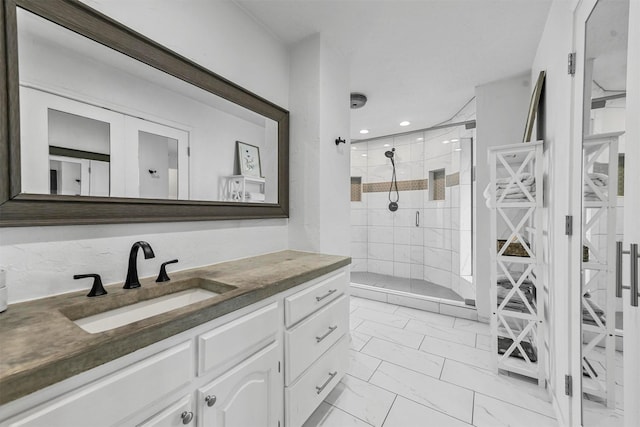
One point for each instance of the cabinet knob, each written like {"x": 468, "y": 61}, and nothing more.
{"x": 186, "y": 416}
{"x": 211, "y": 400}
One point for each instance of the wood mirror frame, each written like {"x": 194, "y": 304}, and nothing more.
{"x": 21, "y": 209}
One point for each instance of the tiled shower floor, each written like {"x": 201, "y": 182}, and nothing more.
{"x": 412, "y": 368}
{"x": 414, "y": 286}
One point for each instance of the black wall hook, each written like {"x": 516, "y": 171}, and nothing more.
{"x": 339, "y": 140}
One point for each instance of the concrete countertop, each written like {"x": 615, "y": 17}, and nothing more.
{"x": 40, "y": 345}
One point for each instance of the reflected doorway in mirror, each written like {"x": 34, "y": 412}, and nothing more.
{"x": 248, "y": 159}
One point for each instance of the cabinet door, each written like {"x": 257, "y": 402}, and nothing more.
{"x": 250, "y": 394}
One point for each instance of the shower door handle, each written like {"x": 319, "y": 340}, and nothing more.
{"x": 633, "y": 272}
{"x": 417, "y": 218}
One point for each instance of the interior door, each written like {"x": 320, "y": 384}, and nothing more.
{"x": 631, "y": 212}
{"x": 608, "y": 52}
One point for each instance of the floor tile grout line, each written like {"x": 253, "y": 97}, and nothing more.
{"x": 473, "y": 407}
{"x": 375, "y": 370}
{"x": 421, "y": 404}
{"x": 413, "y": 370}
{"x": 401, "y": 345}
{"x": 516, "y": 405}
{"x": 347, "y": 412}
{"x": 389, "y": 411}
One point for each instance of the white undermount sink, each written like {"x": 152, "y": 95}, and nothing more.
{"x": 132, "y": 313}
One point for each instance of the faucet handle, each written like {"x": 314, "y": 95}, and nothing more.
{"x": 163, "y": 276}
{"x": 97, "y": 289}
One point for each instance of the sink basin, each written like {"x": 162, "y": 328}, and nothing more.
{"x": 151, "y": 302}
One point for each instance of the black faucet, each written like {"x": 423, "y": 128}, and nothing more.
{"x": 132, "y": 272}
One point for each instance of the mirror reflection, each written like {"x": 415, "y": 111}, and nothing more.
{"x": 603, "y": 211}
{"x": 95, "y": 122}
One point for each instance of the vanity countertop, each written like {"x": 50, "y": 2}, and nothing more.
{"x": 40, "y": 346}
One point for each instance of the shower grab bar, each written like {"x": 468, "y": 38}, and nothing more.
{"x": 417, "y": 218}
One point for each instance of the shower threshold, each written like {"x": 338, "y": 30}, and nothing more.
{"x": 412, "y": 286}
{"x": 418, "y": 294}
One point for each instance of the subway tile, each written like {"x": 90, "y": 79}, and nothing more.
{"x": 369, "y": 294}
{"x": 431, "y": 317}
{"x": 401, "y": 235}
{"x": 402, "y": 253}
{"x": 415, "y": 303}
{"x": 437, "y": 276}
{"x": 380, "y": 267}
{"x": 380, "y": 251}
{"x": 416, "y": 235}
{"x": 377, "y": 305}
{"x": 417, "y": 271}
{"x": 379, "y": 234}
{"x": 423, "y": 389}
{"x": 458, "y": 311}
{"x": 359, "y": 249}
{"x": 416, "y": 360}
{"x": 437, "y": 258}
{"x": 402, "y": 269}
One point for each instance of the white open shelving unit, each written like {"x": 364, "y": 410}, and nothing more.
{"x": 240, "y": 188}
{"x": 599, "y": 271}
{"x": 517, "y": 318}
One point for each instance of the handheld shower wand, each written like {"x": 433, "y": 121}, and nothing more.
{"x": 393, "y": 204}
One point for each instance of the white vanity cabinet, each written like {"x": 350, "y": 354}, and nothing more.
{"x": 248, "y": 395}
{"x": 316, "y": 344}
{"x": 228, "y": 372}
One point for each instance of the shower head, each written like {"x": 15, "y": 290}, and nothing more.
{"x": 390, "y": 154}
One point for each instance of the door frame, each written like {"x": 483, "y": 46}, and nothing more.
{"x": 580, "y": 16}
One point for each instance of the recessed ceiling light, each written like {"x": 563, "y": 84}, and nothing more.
{"x": 387, "y": 145}
{"x": 363, "y": 155}
{"x": 363, "y": 131}
{"x": 455, "y": 140}
{"x": 405, "y": 123}
{"x": 354, "y": 148}
{"x": 420, "y": 139}
{"x": 457, "y": 149}
{"x": 446, "y": 142}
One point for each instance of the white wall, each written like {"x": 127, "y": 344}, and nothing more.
{"x": 501, "y": 114}
{"x": 551, "y": 55}
{"x": 319, "y": 169}
{"x": 42, "y": 260}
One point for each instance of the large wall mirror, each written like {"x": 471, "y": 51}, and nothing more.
{"x": 104, "y": 125}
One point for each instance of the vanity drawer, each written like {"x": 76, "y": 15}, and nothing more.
{"x": 300, "y": 305}
{"x": 308, "y": 340}
{"x": 303, "y": 397}
{"x": 111, "y": 399}
{"x": 229, "y": 344}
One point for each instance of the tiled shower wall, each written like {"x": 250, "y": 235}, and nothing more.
{"x": 424, "y": 238}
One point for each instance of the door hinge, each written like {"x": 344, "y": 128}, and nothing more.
{"x": 568, "y": 225}
{"x": 278, "y": 423}
{"x": 278, "y": 366}
{"x": 568, "y": 385}
{"x": 188, "y": 151}
{"x": 571, "y": 63}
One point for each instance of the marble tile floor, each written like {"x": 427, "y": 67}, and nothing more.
{"x": 414, "y": 286}
{"x": 412, "y": 368}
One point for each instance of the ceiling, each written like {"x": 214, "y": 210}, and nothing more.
{"x": 416, "y": 60}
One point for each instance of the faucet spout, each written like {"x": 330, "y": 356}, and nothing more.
{"x": 132, "y": 280}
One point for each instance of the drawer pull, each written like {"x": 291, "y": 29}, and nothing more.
{"x": 322, "y": 387}
{"x": 318, "y": 299}
{"x": 186, "y": 416}
{"x": 211, "y": 400}
{"x": 326, "y": 334}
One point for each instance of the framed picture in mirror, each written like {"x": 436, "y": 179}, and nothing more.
{"x": 249, "y": 159}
